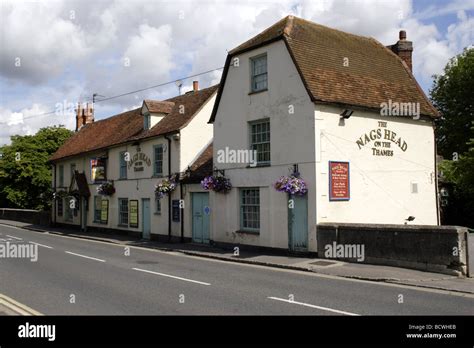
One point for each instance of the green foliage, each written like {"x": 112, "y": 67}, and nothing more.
{"x": 25, "y": 175}
{"x": 461, "y": 174}
{"x": 453, "y": 96}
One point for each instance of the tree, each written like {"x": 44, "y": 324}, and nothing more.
{"x": 25, "y": 175}
{"x": 452, "y": 94}
{"x": 461, "y": 174}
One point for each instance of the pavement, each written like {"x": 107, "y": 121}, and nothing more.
{"x": 81, "y": 276}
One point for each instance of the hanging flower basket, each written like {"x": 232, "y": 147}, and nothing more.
{"x": 106, "y": 189}
{"x": 60, "y": 194}
{"x": 165, "y": 187}
{"x": 292, "y": 185}
{"x": 219, "y": 184}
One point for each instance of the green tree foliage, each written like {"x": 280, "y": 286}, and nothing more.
{"x": 461, "y": 173}
{"x": 453, "y": 95}
{"x": 25, "y": 175}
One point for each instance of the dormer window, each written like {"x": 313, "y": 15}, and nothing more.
{"x": 146, "y": 121}
{"x": 154, "y": 111}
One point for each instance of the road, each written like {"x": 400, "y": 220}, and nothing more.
{"x": 83, "y": 277}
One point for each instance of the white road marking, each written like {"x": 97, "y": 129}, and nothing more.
{"x": 171, "y": 276}
{"x": 87, "y": 257}
{"x": 14, "y": 237}
{"x": 313, "y": 306}
{"x": 267, "y": 268}
{"x": 42, "y": 245}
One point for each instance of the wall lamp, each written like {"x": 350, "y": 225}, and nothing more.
{"x": 347, "y": 113}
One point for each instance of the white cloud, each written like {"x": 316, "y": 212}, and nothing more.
{"x": 71, "y": 58}
{"x": 26, "y": 121}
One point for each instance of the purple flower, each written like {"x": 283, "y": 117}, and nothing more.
{"x": 292, "y": 185}
{"x": 216, "y": 183}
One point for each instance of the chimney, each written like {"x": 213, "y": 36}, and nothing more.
{"x": 195, "y": 86}
{"x": 84, "y": 115}
{"x": 403, "y": 48}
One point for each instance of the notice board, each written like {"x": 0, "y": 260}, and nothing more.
{"x": 339, "y": 181}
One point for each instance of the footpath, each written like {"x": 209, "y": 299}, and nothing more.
{"x": 327, "y": 267}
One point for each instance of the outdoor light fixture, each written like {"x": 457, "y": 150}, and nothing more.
{"x": 346, "y": 113}
{"x": 409, "y": 219}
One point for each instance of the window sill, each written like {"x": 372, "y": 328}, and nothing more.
{"x": 248, "y": 232}
{"x": 259, "y": 91}
{"x": 260, "y": 165}
{"x": 122, "y": 225}
{"x": 156, "y": 213}
{"x": 158, "y": 176}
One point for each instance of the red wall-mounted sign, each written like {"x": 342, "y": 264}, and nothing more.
{"x": 339, "y": 181}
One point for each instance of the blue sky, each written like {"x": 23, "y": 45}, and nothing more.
{"x": 71, "y": 49}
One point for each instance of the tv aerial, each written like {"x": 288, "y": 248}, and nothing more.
{"x": 179, "y": 84}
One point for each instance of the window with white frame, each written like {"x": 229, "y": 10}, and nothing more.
{"x": 68, "y": 210}
{"x": 258, "y": 66}
{"x": 158, "y": 160}
{"x": 61, "y": 175}
{"x": 250, "y": 209}
{"x": 260, "y": 140}
{"x": 97, "y": 208}
{"x": 157, "y": 206}
{"x": 123, "y": 211}
{"x": 123, "y": 165}
{"x": 146, "y": 122}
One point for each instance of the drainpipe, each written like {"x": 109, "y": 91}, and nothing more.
{"x": 182, "y": 210}
{"x": 169, "y": 196}
{"x": 54, "y": 189}
{"x": 438, "y": 215}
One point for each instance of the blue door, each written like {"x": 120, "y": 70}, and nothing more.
{"x": 298, "y": 223}
{"x": 146, "y": 218}
{"x": 201, "y": 212}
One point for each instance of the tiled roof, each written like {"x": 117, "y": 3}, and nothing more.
{"x": 155, "y": 106}
{"x": 128, "y": 126}
{"x": 374, "y": 74}
{"x": 201, "y": 167}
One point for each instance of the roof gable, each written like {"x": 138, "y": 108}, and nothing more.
{"x": 374, "y": 74}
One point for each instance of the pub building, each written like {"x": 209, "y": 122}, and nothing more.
{"x": 339, "y": 129}
{"x": 106, "y": 174}
{"x": 343, "y": 135}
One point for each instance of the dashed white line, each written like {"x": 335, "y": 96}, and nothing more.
{"x": 84, "y": 256}
{"x": 42, "y": 245}
{"x": 171, "y": 276}
{"x": 14, "y": 237}
{"x": 313, "y": 306}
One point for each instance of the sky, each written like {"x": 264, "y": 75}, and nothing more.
{"x": 54, "y": 54}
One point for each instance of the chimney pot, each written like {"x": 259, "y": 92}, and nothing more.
{"x": 402, "y": 35}
{"x": 195, "y": 86}
{"x": 403, "y": 49}
{"x": 84, "y": 115}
